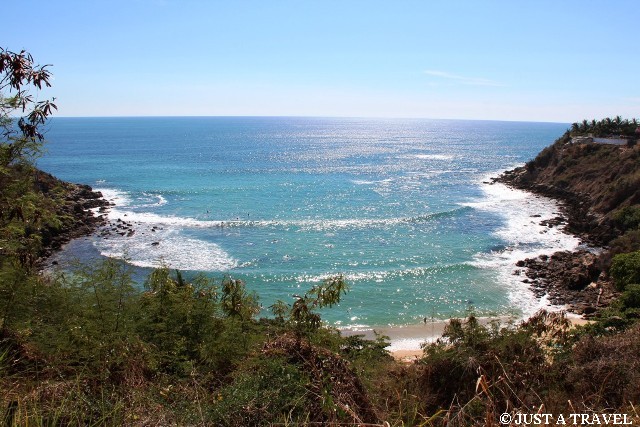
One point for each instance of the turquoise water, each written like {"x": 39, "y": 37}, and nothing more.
{"x": 400, "y": 207}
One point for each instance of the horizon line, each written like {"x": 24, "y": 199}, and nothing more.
{"x": 310, "y": 117}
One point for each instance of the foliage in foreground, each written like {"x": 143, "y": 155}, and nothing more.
{"x": 88, "y": 348}
{"x": 21, "y": 139}
{"x": 625, "y": 269}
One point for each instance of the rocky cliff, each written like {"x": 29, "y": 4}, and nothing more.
{"x": 595, "y": 183}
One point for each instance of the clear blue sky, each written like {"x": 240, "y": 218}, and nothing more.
{"x": 506, "y": 60}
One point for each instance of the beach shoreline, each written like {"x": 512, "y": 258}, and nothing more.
{"x": 406, "y": 341}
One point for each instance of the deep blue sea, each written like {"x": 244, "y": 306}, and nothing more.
{"x": 401, "y": 208}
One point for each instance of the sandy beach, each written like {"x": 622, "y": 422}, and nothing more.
{"x": 406, "y": 340}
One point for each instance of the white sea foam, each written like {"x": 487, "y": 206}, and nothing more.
{"x": 368, "y": 182}
{"x": 153, "y": 200}
{"x": 434, "y": 156}
{"x": 303, "y": 224}
{"x": 155, "y": 219}
{"x": 525, "y": 237}
{"x": 165, "y": 244}
{"x": 123, "y": 199}
{"x": 376, "y": 275}
{"x": 119, "y": 198}
{"x": 172, "y": 249}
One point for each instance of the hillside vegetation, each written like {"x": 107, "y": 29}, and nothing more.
{"x": 599, "y": 183}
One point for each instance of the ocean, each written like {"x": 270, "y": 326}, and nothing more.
{"x": 402, "y": 208}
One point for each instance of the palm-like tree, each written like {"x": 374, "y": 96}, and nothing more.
{"x": 585, "y": 126}
{"x": 575, "y": 128}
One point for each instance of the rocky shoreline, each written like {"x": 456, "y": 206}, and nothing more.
{"x": 82, "y": 211}
{"x": 577, "y": 215}
{"x": 574, "y": 279}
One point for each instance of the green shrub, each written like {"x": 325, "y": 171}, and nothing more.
{"x": 176, "y": 317}
{"x": 625, "y": 269}
{"x": 514, "y": 359}
{"x": 630, "y": 298}
{"x": 627, "y": 218}
{"x": 264, "y": 391}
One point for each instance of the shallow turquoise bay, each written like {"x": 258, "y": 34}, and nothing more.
{"x": 400, "y": 207}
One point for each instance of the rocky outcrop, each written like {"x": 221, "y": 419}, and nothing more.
{"x": 568, "y": 278}
{"x": 79, "y": 211}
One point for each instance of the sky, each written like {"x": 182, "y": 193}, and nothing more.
{"x": 556, "y": 61}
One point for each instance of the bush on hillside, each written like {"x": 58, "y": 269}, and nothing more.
{"x": 605, "y": 371}
{"x": 630, "y": 298}
{"x": 627, "y": 218}
{"x": 514, "y": 359}
{"x": 625, "y": 269}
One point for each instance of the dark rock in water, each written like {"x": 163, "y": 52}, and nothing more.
{"x": 553, "y": 222}
{"x": 520, "y": 263}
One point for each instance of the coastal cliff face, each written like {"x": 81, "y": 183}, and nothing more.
{"x": 39, "y": 213}
{"x": 595, "y": 183}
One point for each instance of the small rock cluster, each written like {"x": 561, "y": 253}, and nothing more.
{"x": 126, "y": 229}
{"x": 123, "y": 228}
